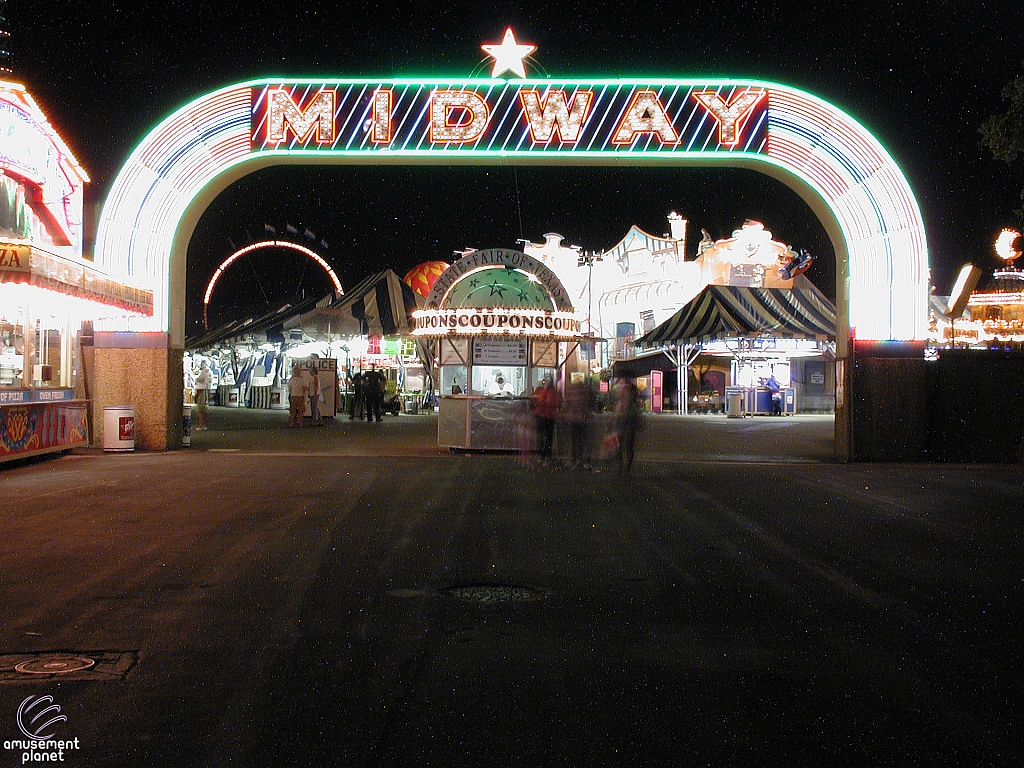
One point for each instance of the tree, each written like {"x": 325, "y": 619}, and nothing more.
{"x": 1004, "y": 133}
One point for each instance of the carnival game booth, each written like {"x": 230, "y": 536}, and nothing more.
{"x": 249, "y": 358}
{"x": 501, "y": 323}
{"x": 371, "y": 326}
{"x": 756, "y": 333}
{"x": 51, "y": 298}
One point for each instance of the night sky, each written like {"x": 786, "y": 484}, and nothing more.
{"x": 921, "y": 77}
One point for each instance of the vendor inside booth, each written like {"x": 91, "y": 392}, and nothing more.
{"x": 499, "y": 323}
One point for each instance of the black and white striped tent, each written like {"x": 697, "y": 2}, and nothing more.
{"x": 380, "y": 305}
{"x": 723, "y": 312}
{"x": 728, "y": 311}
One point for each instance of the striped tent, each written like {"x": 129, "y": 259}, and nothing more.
{"x": 724, "y": 311}
{"x": 272, "y": 326}
{"x": 380, "y": 305}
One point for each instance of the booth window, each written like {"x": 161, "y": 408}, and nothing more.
{"x": 539, "y": 374}
{"x": 499, "y": 380}
{"x": 453, "y": 380}
{"x": 12, "y": 348}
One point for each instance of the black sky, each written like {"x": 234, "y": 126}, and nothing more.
{"x": 921, "y": 77}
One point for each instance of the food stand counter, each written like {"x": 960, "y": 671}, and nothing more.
{"x": 500, "y": 324}
{"x": 477, "y": 422}
{"x": 757, "y": 401}
{"x": 37, "y": 421}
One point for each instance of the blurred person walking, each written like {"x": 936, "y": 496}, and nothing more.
{"x": 545, "y": 411}
{"x": 628, "y": 422}
{"x": 576, "y": 415}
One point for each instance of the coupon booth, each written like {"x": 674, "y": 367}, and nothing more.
{"x": 497, "y": 323}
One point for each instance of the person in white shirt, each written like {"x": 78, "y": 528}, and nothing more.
{"x": 298, "y": 393}
{"x": 499, "y": 387}
{"x": 204, "y": 381}
{"x": 314, "y": 399}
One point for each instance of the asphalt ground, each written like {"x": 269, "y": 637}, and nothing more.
{"x": 354, "y": 596}
{"x": 666, "y": 437}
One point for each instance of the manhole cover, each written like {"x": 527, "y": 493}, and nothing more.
{"x": 54, "y": 665}
{"x": 66, "y": 665}
{"x": 494, "y": 593}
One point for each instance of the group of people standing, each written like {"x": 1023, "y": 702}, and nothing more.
{"x": 303, "y": 390}
{"x": 536, "y": 430}
{"x": 369, "y": 389}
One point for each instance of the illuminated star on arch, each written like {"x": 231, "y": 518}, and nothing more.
{"x": 497, "y": 288}
{"x": 508, "y": 57}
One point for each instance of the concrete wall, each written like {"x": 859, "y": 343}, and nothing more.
{"x": 963, "y": 407}
{"x": 137, "y": 369}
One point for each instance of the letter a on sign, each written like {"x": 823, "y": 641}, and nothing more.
{"x": 645, "y": 114}
{"x": 729, "y": 115}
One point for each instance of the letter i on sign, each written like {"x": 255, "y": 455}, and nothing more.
{"x": 380, "y": 127}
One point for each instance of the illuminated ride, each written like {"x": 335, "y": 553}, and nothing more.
{"x": 994, "y": 316}
{"x": 422, "y": 277}
{"x": 263, "y": 244}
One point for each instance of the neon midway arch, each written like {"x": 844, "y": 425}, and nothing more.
{"x": 843, "y": 173}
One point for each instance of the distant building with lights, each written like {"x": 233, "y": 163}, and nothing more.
{"x": 994, "y": 315}
{"x": 994, "y": 318}
{"x": 644, "y": 280}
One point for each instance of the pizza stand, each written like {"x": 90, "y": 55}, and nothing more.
{"x": 497, "y": 322}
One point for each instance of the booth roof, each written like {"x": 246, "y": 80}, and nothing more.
{"x": 271, "y": 324}
{"x": 722, "y": 311}
{"x": 380, "y": 305}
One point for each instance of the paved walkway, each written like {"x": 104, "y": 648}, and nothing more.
{"x": 667, "y": 437}
{"x": 354, "y": 596}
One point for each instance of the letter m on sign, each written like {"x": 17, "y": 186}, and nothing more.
{"x": 284, "y": 116}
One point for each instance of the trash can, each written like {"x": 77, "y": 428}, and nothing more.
{"x": 186, "y": 426}
{"x": 279, "y": 399}
{"x": 734, "y": 405}
{"x": 119, "y": 428}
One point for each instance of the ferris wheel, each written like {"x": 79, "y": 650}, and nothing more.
{"x": 274, "y": 241}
